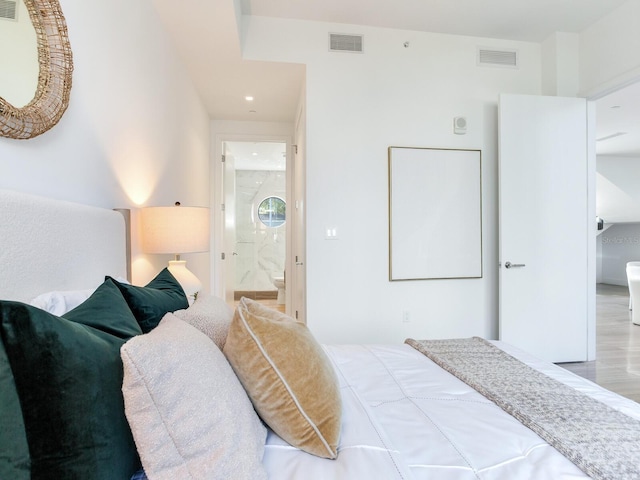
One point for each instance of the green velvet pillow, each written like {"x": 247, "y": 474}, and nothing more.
{"x": 14, "y": 449}
{"x": 67, "y": 373}
{"x": 150, "y": 303}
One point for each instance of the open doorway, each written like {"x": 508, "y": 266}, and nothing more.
{"x": 255, "y": 213}
{"x": 617, "y": 180}
{"x": 617, "y": 212}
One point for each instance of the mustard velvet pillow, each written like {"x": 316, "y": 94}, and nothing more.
{"x": 288, "y": 377}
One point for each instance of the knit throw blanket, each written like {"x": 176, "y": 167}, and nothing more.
{"x": 600, "y": 440}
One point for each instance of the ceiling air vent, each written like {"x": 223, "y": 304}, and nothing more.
{"x": 497, "y": 58}
{"x": 340, "y": 42}
{"x": 8, "y": 9}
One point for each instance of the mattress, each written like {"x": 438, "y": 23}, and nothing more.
{"x": 406, "y": 418}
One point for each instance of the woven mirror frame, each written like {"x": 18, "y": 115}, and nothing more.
{"x": 54, "y": 80}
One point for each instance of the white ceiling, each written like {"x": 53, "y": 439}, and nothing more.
{"x": 206, "y": 35}
{"x": 619, "y": 113}
{"x": 527, "y": 20}
{"x": 258, "y": 155}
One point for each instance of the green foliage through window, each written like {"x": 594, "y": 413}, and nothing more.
{"x": 272, "y": 211}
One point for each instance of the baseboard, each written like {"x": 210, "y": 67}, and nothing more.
{"x": 615, "y": 281}
{"x": 256, "y": 295}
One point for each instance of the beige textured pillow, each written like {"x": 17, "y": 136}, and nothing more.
{"x": 189, "y": 415}
{"x": 288, "y": 377}
{"x": 209, "y": 314}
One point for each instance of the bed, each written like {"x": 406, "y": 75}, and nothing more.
{"x": 180, "y": 394}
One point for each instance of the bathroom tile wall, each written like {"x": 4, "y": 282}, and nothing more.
{"x": 260, "y": 249}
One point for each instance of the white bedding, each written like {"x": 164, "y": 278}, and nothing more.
{"x": 406, "y": 418}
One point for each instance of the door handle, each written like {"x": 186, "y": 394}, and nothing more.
{"x": 513, "y": 265}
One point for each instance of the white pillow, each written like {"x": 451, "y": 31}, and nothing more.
{"x": 211, "y": 315}
{"x": 60, "y": 302}
{"x": 189, "y": 415}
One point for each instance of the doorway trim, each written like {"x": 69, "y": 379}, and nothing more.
{"x": 217, "y": 225}
{"x": 613, "y": 85}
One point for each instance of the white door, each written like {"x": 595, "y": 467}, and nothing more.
{"x": 298, "y": 275}
{"x": 544, "y": 226}
{"x": 229, "y": 222}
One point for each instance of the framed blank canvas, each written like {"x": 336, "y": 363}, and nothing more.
{"x": 435, "y": 213}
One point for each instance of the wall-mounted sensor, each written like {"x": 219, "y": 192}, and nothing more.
{"x": 459, "y": 125}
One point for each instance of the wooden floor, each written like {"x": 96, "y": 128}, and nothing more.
{"x": 617, "y": 364}
{"x": 269, "y": 302}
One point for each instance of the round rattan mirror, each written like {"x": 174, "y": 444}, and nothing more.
{"x": 54, "y": 80}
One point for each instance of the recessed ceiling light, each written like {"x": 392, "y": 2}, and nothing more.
{"x": 255, "y": 154}
{"x": 249, "y": 98}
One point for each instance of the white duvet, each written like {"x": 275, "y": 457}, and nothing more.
{"x": 406, "y": 418}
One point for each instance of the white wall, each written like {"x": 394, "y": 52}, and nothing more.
{"x": 618, "y": 203}
{"x": 610, "y": 50}
{"x": 18, "y": 62}
{"x": 618, "y": 189}
{"x": 358, "y": 106}
{"x": 135, "y": 132}
{"x": 620, "y": 244}
{"x": 560, "y": 69}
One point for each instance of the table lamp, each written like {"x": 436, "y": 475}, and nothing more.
{"x": 176, "y": 230}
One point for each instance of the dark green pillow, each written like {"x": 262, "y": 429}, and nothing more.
{"x": 14, "y": 449}
{"x": 68, "y": 376}
{"x": 152, "y": 302}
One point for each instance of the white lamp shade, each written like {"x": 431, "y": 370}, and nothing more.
{"x": 174, "y": 230}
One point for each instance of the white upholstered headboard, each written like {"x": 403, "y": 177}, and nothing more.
{"x": 48, "y": 245}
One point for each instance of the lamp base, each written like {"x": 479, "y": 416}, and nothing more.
{"x": 187, "y": 280}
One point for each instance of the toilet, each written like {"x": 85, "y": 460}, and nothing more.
{"x": 279, "y": 283}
